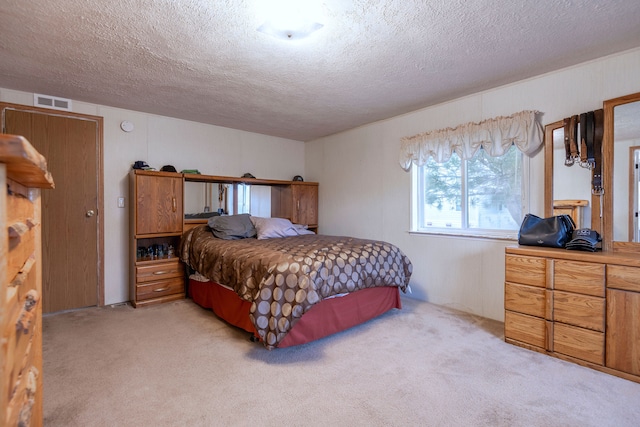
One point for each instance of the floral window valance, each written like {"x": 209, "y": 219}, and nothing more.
{"x": 495, "y": 136}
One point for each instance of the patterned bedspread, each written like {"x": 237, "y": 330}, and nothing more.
{"x": 284, "y": 277}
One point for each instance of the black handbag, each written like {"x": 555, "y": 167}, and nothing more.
{"x": 553, "y": 232}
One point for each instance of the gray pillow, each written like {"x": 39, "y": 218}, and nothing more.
{"x": 232, "y": 227}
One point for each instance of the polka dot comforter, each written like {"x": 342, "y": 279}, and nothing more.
{"x": 284, "y": 277}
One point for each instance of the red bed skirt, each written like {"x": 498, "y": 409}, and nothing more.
{"x": 325, "y": 318}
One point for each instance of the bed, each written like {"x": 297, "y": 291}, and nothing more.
{"x": 291, "y": 289}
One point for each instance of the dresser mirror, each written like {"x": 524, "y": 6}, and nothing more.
{"x": 567, "y": 188}
{"x": 621, "y": 152}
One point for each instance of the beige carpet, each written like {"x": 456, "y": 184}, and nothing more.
{"x": 424, "y": 365}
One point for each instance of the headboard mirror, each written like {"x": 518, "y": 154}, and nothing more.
{"x": 204, "y": 197}
{"x": 567, "y": 189}
{"x": 621, "y": 154}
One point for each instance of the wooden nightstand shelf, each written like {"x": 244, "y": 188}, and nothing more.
{"x": 156, "y": 274}
{"x": 157, "y": 223}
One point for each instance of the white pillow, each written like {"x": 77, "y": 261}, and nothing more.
{"x": 269, "y": 228}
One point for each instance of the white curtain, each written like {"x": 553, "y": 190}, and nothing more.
{"x": 495, "y": 136}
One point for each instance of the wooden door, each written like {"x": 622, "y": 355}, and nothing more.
{"x": 71, "y": 220}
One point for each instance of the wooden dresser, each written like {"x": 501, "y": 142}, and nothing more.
{"x": 578, "y": 306}
{"x": 23, "y": 171}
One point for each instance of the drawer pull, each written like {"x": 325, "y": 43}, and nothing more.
{"x": 26, "y": 315}
{"x": 30, "y": 391}
{"x": 166, "y": 288}
{"x": 157, "y": 273}
{"x": 23, "y": 273}
{"x": 18, "y": 229}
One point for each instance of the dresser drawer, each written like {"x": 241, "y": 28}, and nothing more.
{"x": 579, "y": 277}
{"x": 622, "y": 277}
{"x": 526, "y": 270}
{"x": 584, "y": 311}
{"x": 526, "y": 329}
{"x": 159, "y": 288}
{"x": 579, "y": 343}
{"x": 165, "y": 270}
{"x": 525, "y": 299}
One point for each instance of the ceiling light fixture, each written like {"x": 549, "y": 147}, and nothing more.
{"x": 289, "y": 20}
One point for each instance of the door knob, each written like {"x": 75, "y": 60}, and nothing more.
{"x": 90, "y": 213}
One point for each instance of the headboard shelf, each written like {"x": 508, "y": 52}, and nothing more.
{"x": 240, "y": 180}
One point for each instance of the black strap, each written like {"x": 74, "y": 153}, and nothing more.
{"x": 598, "y": 133}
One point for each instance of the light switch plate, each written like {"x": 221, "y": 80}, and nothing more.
{"x": 121, "y": 202}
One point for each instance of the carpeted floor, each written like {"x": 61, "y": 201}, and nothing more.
{"x": 178, "y": 365}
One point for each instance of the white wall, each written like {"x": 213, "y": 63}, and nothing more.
{"x": 158, "y": 140}
{"x": 364, "y": 192}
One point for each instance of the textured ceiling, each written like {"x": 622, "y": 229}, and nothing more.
{"x": 203, "y": 60}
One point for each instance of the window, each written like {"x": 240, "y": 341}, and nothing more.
{"x": 480, "y": 196}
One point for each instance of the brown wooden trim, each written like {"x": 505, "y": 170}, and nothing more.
{"x": 632, "y": 149}
{"x": 548, "y": 170}
{"x": 100, "y": 178}
{"x": 155, "y": 301}
{"x": 607, "y": 175}
{"x": 608, "y": 257}
{"x": 580, "y": 362}
{"x": 154, "y": 235}
{"x": 607, "y": 167}
{"x": 101, "y": 216}
{"x": 157, "y": 173}
{"x": 527, "y": 346}
{"x": 233, "y": 180}
{"x": 50, "y": 112}
{"x": 630, "y": 247}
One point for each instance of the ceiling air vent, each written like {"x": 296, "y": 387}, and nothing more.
{"x": 47, "y": 101}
